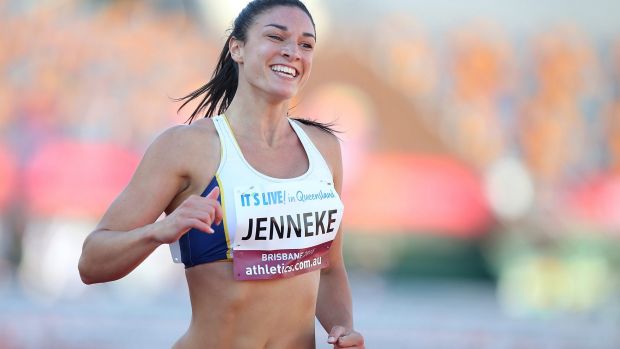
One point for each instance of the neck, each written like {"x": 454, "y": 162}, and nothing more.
{"x": 250, "y": 114}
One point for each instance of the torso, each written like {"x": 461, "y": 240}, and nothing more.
{"x": 226, "y": 313}
{"x": 269, "y": 314}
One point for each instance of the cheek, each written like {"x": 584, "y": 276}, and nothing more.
{"x": 254, "y": 65}
{"x": 308, "y": 66}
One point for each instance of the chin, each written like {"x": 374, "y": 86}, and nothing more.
{"x": 283, "y": 95}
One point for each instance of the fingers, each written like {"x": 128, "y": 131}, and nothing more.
{"x": 351, "y": 340}
{"x": 200, "y": 212}
{"x": 342, "y": 337}
{"x": 335, "y": 334}
{"x": 200, "y": 225}
{"x": 218, "y": 213}
{"x": 214, "y": 193}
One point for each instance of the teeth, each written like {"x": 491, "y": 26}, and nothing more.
{"x": 284, "y": 69}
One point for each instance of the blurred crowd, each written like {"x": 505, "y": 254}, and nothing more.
{"x": 535, "y": 120}
{"x": 549, "y": 100}
{"x": 536, "y": 117}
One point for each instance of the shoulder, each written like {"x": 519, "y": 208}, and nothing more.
{"x": 199, "y": 129}
{"x": 183, "y": 136}
{"x": 177, "y": 144}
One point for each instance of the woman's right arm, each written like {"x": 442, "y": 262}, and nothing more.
{"x": 128, "y": 231}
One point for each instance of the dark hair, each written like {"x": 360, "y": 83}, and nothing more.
{"x": 220, "y": 90}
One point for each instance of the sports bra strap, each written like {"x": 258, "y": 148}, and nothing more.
{"x": 314, "y": 155}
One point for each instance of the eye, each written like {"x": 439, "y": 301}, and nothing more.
{"x": 275, "y": 37}
{"x": 306, "y": 46}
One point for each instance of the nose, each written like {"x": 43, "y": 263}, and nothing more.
{"x": 291, "y": 52}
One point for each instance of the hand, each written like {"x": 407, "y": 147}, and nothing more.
{"x": 195, "y": 212}
{"x": 342, "y": 337}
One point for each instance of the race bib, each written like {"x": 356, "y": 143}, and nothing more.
{"x": 284, "y": 229}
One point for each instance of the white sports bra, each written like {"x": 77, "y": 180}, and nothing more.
{"x": 272, "y": 227}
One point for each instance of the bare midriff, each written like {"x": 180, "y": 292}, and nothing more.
{"x": 266, "y": 314}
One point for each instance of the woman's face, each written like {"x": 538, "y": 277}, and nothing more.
{"x": 276, "y": 57}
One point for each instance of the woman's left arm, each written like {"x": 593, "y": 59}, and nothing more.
{"x": 334, "y": 308}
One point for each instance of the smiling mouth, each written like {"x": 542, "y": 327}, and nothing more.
{"x": 285, "y": 71}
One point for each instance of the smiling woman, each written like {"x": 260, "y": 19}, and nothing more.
{"x": 207, "y": 176}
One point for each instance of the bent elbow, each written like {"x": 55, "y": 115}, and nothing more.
{"x": 93, "y": 274}
{"x": 86, "y": 268}
{"x": 86, "y": 280}
{"x": 87, "y": 272}
{"x": 84, "y": 275}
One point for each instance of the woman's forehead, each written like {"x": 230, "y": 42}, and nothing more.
{"x": 291, "y": 17}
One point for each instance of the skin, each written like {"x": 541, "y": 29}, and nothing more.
{"x": 274, "y": 314}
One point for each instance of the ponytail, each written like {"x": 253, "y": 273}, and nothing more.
{"x": 220, "y": 90}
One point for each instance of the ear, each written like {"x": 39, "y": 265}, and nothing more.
{"x": 235, "y": 47}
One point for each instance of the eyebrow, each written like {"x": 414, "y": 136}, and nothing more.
{"x": 285, "y": 28}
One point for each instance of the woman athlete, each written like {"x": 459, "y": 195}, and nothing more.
{"x": 250, "y": 196}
